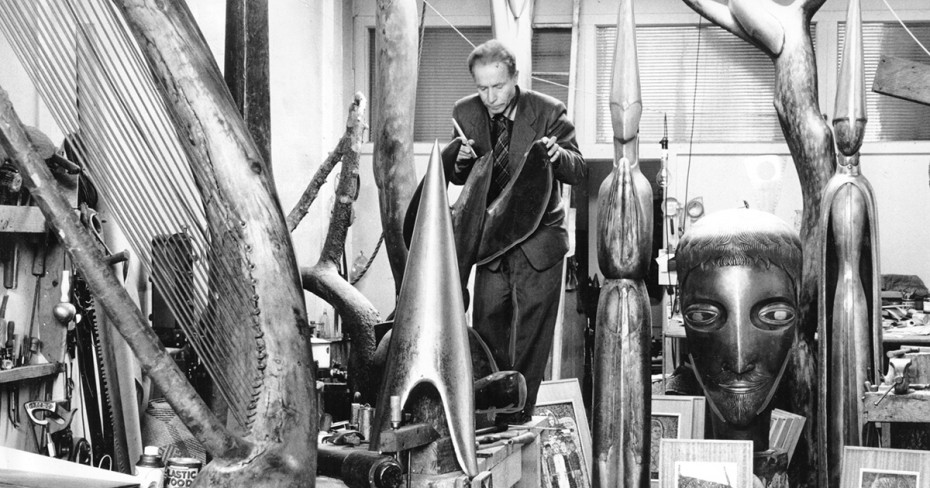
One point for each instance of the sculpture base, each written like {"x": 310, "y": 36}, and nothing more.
{"x": 771, "y": 468}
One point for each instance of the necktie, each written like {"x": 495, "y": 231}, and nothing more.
{"x": 500, "y": 172}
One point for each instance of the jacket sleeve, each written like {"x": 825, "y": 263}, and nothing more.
{"x": 570, "y": 168}
{"x": 456, "y": 171}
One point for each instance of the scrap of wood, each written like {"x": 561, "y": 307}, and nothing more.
{"x": 904, "y": 79}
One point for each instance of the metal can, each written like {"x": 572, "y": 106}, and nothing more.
{"x": 181, "y": 472}
{"x": 364, "y": 421}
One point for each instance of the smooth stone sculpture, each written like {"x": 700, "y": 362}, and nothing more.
{"x": 739, "y": 273}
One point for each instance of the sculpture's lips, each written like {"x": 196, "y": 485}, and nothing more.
{"x": 743, "y": 387}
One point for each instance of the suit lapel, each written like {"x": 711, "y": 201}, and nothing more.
{"x": 524, "y": 133}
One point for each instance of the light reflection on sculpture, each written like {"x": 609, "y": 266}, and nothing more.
{"x": 849, "y": 310}
{"x": 739, "y": 272}
{"x": 429, "y": 344}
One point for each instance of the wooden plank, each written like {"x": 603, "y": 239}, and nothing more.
{"x": 912, "y": 407}
{"x": 900, "y": 78}
{"x": 24, "y": 373}
{"x": 407, "y": 437}
{"x": 26, "y": 220}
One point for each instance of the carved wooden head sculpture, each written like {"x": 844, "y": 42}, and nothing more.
{"x": 739, "y": 272}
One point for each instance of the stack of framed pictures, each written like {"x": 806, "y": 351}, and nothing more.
{"x": 697, "y": 463}
{"x": 785, "y": 431}
{"x": 673, "y": 417}
{"x": 869, "y": 467}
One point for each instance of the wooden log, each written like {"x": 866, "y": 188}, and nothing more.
{"x": 396, "y": 90}
{"x": 904, "y": 79}
{"x": 247, "y": 72}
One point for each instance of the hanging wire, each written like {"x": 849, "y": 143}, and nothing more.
{"x": 697, "y": 63}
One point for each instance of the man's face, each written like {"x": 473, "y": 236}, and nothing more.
{"x": 740, "y": 322}
{"x": 495, "y": 85}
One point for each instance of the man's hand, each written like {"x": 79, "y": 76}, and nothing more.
{"x": 553, "y": 150}
{"x": 465, "y": 150}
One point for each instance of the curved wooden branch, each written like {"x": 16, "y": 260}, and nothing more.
{"x": 105, "y": 286}
{"x": 355, "y": 127}
{"x": 760, "y": 21}
{"x": 720, "y": 14}
{"x": 323, "y": 279}
{"x": 359, "y": 317}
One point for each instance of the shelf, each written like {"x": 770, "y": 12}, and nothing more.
{"x": 24, "y": 220}
{"x": 23, "y": 373}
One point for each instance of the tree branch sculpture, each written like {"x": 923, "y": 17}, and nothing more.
{"x": 783, "y": 33}
{"x": 323, "y": 279}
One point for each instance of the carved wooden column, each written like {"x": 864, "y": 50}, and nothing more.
{"x": 246, "y": 71}
{"x": 395, "y": 92}
{"x": 622, "y": 394}
{"x": 850, "y": 283}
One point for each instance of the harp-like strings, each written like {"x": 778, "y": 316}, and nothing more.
{"x": 95, "y": 82}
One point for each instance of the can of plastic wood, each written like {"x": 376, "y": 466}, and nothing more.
{"x": 181, "y": 472}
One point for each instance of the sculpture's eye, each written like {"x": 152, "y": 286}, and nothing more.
{"x": 702, "y": 316}
{"x": 776, "y": 316}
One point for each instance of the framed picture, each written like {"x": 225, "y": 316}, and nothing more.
{"x": 785, "y": 430}
{"x": 869, "y": 467}
{"x": 566, "y": 442}
{"x": 673, "y": 417}
{"x": 700, "y": 463}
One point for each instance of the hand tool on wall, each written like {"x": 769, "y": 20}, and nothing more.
{"x": 10, "y": 185}
{"x": 6, "y": 347}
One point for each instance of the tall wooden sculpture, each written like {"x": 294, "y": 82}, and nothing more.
{"x": 849, "y": 304}
{"x": 512, "y": 24}
{"x": 782, "y": 31}
{"x": 624, "y": 245}
{"x": 392, "y": 131}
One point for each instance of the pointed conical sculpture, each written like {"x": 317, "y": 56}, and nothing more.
{"x": 849, "y": 303}
{"x": 429, "y": 342}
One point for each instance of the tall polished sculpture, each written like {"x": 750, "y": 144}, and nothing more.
{"x": 849, "y": 309}
{"x": 429, "y": 343}
{"x": 740, "y": 275}
{"x": 624, "y": 219}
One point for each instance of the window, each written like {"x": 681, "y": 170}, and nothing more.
{"x": 444, "y": 78}
{"x": 551, "y": 57}
{"x": 890, "y": 119}
{"x": 734, "y": 93}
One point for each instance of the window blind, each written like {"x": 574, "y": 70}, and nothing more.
{"x": 551, "y": 57}
{"x": 443, "y": 75}
{"x": 734, "y": 94}
{"x": 890, "y": 119}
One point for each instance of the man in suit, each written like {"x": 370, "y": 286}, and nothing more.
{"x": 517, "y": 146}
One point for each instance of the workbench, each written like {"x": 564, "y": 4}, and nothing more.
{"x": 502, "y": 466}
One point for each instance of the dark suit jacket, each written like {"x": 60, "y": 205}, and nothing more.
{"x": 529, "y": 213}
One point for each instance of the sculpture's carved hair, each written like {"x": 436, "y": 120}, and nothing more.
{"x": 740, "y": 237}
{"x": 492, "y": 51}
